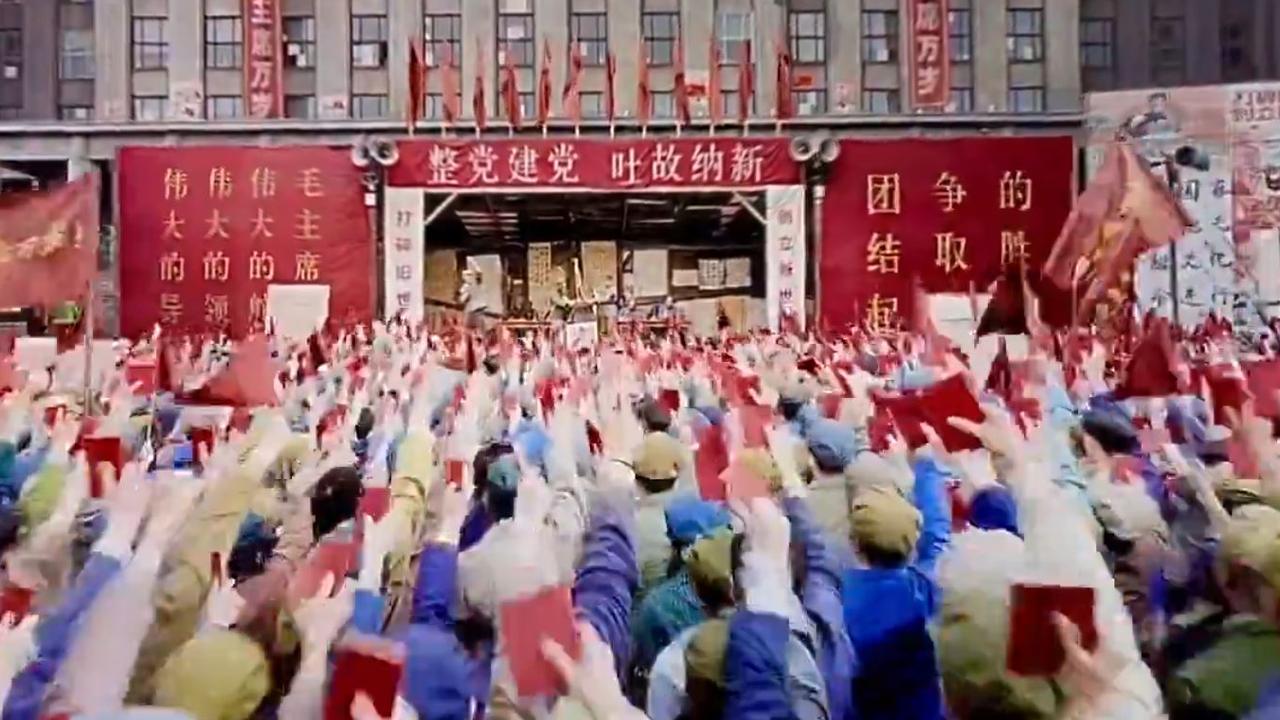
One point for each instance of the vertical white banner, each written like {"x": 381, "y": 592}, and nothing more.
{"x": 785, "y": 263}
{"x": 403, "y": 271}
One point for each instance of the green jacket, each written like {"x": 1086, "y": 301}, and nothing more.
{"x": 1230, "y": 675}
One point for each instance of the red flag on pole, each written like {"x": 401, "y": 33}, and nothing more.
{"x": 785, "y": 103}
{"x": 479, "y": 107}
{"x": 746, "y": 83}
{"x": 644, "y": 96}
{"x": 544, "y": 84}
{"x": 715, "y": 108}
{"x": 49, "y": 248}
{"x": 417, "y": 82}
{"x": 681, "y": 85}
{"x": 511, "y": 90}
{"x": 572, "y": 95}
{"x": 611, "y": 77}
{"x": 449, "y": 84}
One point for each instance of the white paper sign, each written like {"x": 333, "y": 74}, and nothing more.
{"x": 488, "y": 291}
{"x": 650, "y": 269}
{"x": 404, "y": 273}
{"x": 297, "y": 311}
{"x": 35, "y": 354}
{"x": 737, "y": 272}
{"x": 785, "y": 254}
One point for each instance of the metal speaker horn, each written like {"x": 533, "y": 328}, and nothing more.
{"x": 384, "y": 152}
{"x": 360, "y": 156}
{"x": 1192, "y": 157}
{"x": 829, "y": 149}
{"x": 802, "y": 149}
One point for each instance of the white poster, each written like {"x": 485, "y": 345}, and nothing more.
{"x": 710, "y": 274}
{"x": 737, "y": 272}
{"x": 403, "y": 270}
{"x": 686, "y": 277}
{"x": 650, "y": 269}
{"x": 297, "y": 311}
{"x": 488, "y": 292}
{"x": 785, "y": 254}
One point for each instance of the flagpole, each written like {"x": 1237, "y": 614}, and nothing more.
{"x": 87, "y": 319}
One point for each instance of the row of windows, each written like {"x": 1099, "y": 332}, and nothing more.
{"x": 1024, "y": 35}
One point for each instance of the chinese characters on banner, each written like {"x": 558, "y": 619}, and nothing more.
{"x": 595, "y": 164}
{"x": 403, "y": 268}
{"x": 930, "y": 56}
{"x": 785, "y": 255}
{"x": 263, "y": 75}
{"x": 951, "y": 212}
{"x": 205, "y": 230}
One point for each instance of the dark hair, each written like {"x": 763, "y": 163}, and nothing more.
{"x": 878, "y": 557}
{"x": 789, "y": 409}
{"x": 335, "y": 499}
{"x": 654, "y": 486}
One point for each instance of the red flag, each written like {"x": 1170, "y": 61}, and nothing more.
{"x": 49, "y": 246}
{"x": 510, "y": 90}
{"x": 248, "y": 380}
{"x": 417, "y": 82}
{"x": 544, "y": 85}
{"x": 572, "y": 96}
{"x": 449, "y": 84}
{"x": 681, "y": 85}
{"x": 479, "y": 109}
{"x": 786, "y": 105}
{"x": 745, "y": 83}
{"x": 1150, "y": 372}
{"x": 644, "y": 96}
{"x": 611, "y": 77}
{"x": 715, "y": 108}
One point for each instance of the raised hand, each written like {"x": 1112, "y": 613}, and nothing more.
{"x": 591, "y": 679}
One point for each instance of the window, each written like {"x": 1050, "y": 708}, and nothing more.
{"x": 1097, "y": 42}
{"x": 368, "y": 41}
{"x": 592, "y": 105}
{"x": 811, "y": 101}
{"x": 150, "y": 109}
{"x": 11, "y": 54}
{"x": 730, "y": 100}
{"x": 734, "y": 30}
{"x": 808, "y": 32}
{"x": 591, "y": 32}
{"x": 880, "y": 36}
{"x": 370, "y": 107}
{"x": 961, "y": 100}
{"x": 664, "y": 105}
{"x": 660, "y": 30}
{"x": 75, "y": 58}
{"x": 434, "y": 109}
{"x": 961, "y": 23}
{"x": 515, "y": 35}
{"x": 443, "y": 37}
{"x": 150, "y": 43}
{"x": 300, "y": 42}
{"x": 1026, "y": 99}
{"x": 223, "y": 107}
{"x": 75, "y": 113}
{"x": 881, "y": 101}
{"x": 1168, "y": 42}
{"x": 223, "y": 43}
{"x": 10, "y": 113}
{"x": 1025, "y": 35}
{"x": 301, "y": 107}
{"x": 528, "y": 106}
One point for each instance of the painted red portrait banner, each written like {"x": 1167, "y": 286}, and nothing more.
{"x": 263, "y": 62}
{"x": 953, "y": 213}
{"x": 49, "y": 244}
{"x": 595, "y": 164}
{"x": 205, "y": 230}
{"x": 930, "y": 54}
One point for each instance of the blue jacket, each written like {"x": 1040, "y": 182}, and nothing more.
{"x": 755, "y": 668}
{"x": 887, "y": 612}
{"x": 820, "y": 596}
{"x": 607, "y": 578}
{"x": 441, "y": 680}
{"x": 54, "y": 635}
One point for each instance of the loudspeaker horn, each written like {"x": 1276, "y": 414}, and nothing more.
{"x": 802, "y": 149}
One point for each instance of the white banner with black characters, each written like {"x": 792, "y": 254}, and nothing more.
{"x": 785, "y": 255}
{"x": 403, "y": 253}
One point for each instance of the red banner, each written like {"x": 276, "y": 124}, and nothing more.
{"x": 48, "y": 244}
{"x": 205, "y": 230}
{"x": 951, "y": 212}
{"x": 263, "y": 66}
{"x": 930, "y": 55}
{"x": 595, "y": 164}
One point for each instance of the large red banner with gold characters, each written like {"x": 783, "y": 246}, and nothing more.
{"x": 49, "y": 244}
{"x": 263, "y": 65}
{"x": 930, "y": 55}
{"x": 205, "y": 230}
{"x": 952, "y": 213}
{"x": 595, "y": 164}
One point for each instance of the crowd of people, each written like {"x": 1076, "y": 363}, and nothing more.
{"x": 386, "y": 523}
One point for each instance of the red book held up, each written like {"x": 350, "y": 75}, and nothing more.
{"x": 1035, "y": 650}
{"x": 524, "y": 625}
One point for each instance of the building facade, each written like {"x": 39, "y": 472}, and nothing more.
{"x": 1126, "y": 44}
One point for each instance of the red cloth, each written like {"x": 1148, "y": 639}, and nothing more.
{"x": 1150, "y": 371}
{"x": 248, "y": 380}
{"x": 49, "y": 249}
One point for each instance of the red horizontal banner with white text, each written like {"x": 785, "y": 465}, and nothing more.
{"x": 949, "y": 213}
{"x": 595, "y": 164}
{"x": 205, "y": 230}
